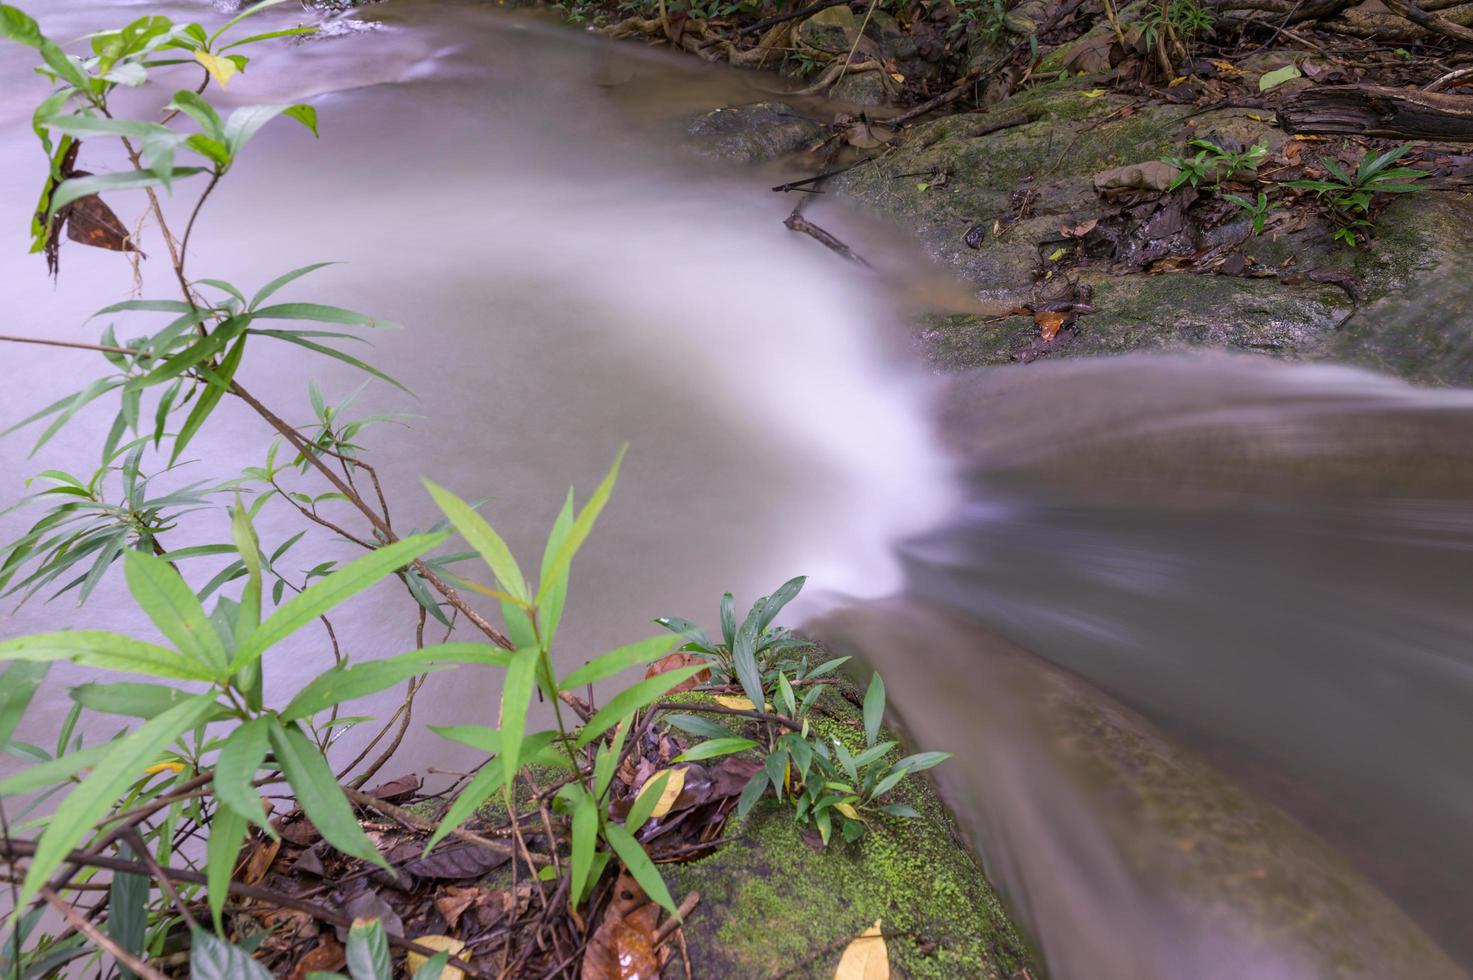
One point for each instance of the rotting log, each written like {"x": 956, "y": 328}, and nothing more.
{"x": 1375, "y": 110}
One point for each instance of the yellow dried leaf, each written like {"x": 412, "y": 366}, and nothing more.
{"x": 220, "y": 69}
{"x": 1058, "y": 254}
{"x": 738, "y": 703}
{"x": 443, "y": 944}
{"x": 1093, "y": 93}
{"x": 668, "y": 795}
{"x": 170, "y": 766}
{"x": 847, "y": 810}
{"x": 866, "y": 958}
{"x": 897, "y": 76}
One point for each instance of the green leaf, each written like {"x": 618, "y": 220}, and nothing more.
{"x": 53, "y": 771}
{"x": 479, "y": 535}
{"x": 608, "y": 757}
{"x": 212, "y": 958}
{"x": 581, "y": 528}
{"x": 368, "y": 951}
{"x": 16, "y": 25}
{"x": 872, "y": 754}
{"x": 432, "y": 968}
{"x": 227, "y": 835}
{"x": 319, "y": 795}
{"x": 921, "y": 761}
{"x": 632, "y": 698}
{"x": 127, "y": 910}
{"x": 161, "y": 593}
{"x": 105, "y": 651}
{"x": 585, "y": 838}
{"x": 337, "y": 685}
{"x": 699, "y": 725}
{"x": 297, "y": 338}
{"x": 195, "y": 107}
{"x": 686, "y": 629}
{"x": 236, "y": 769}
{"x": 899, "y": 810}
{"x": 715, "y": 747}
{"x": 302, "y": 113}
{"x": 516, "y": 695}
{"x": 129, "y": 698}
{"x": 318, "y": 313}
{"x": 874, "y": 709}
{"x": 219, "y": 383}
{"x": 336, "y": 588}
{"x": 271, "y": 35}
{"x": 640, "y": 866}
{"x": 550, "y": 610}
{"x": 623, "y": 658}
{"x": 775, "y": 602}
{"x": 276, "y": 284}
{"x": 17, "y": 686}
{"x": 1277, "y": 77}
{"x": 744, "y": 659}
{"x": 79, "y": 187}
{"x": 99, "y": 792}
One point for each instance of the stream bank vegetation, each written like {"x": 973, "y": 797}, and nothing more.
{"x": 1067, "y": 144}
{"x": 213, "y": 833}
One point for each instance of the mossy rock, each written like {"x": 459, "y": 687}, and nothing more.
{"x": 770, "y": 901}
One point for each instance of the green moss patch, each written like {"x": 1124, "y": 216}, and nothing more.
{"x": 770, "y": 901}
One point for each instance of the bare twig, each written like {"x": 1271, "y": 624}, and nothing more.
{"x": 99, "y": 937}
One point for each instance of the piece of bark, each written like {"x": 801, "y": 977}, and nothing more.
{"x": 1376, "y": 110}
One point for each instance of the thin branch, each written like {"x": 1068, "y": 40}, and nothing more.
{"x": 103, "y": 940}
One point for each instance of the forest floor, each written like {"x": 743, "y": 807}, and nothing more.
{"x": 1258, "y": 175}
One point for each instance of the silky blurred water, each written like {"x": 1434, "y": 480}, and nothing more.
{"x": 1268, "y": 562}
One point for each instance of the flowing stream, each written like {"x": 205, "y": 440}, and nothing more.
{"x": 1198, "y": 629}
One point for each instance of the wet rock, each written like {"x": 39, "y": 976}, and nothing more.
{"x": 753, "y": 133}
{"x": 832, "y": 30}
{"x": 998, "y": 216}
{"x": 770, "y": 901}
{"x": 1129, "y": 854}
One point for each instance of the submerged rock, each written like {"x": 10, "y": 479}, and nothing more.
{"x": 753, "y": 133}
{"x": 1128, "y": 856}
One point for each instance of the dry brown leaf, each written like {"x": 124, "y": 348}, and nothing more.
{"x": 1079, "y": 230}
{"x": 866, "y": 958}
{"x": 453, "y": 904}
{"x": 623, "y": 946}
{"x": 262, "y": 854}
{"x": 443, "y": 944}
{"x": 327, "y": 957}
{"x": 1049, "y": 323}
{"x": 675, "y": 661}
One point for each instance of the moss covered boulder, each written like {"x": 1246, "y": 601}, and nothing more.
{"x": 1401, "y": 303}
{"x": 772, "y": 900}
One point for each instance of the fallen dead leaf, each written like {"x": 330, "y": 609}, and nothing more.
{"x": 260, "y": 860}
{"x": 1049, "y": 323}
{"x": 738, "y": 703}
{"x": 326, "y": 957}
{"x": 455, "y": 901}
{"x": 1079, "y": 230}
{"x": 675, "y": 661}
{"x": 623, "y": 946}
{"x": 443, "y": 944}
{"x": 668, "y": 795}
{"x": 866, "y": 958}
